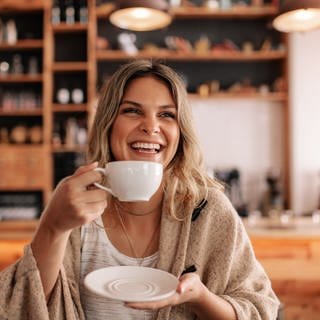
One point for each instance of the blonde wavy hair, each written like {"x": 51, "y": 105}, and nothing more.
{"x": 186, "y": 182}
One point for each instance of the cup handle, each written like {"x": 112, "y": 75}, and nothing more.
{"x": 100, "y": 185}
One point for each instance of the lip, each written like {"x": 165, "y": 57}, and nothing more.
{"x": 162, "y": 145}
{"x": 139, "y": 154}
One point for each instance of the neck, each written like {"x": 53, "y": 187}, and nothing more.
{"x": 143, "y": 235}
{"x": 143, "y": 208}
{"x": 137, "y": 210}
{"x": 145, "y": 213}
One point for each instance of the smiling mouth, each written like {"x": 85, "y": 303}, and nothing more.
{"x": 146, "y": 147}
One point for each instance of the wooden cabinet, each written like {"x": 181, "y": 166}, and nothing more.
{"x": 291, "y": 258}
{"x": 24, "y": 168}
{"x": 14, "y": 236}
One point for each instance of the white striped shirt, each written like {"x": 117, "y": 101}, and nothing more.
{"x": 97, "y": 252}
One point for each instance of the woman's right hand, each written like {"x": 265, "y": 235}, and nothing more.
{"x": 73, "y": 202}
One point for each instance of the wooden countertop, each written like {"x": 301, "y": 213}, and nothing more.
{"x": 17, "y": 230}
{"x": 298, "y": 227}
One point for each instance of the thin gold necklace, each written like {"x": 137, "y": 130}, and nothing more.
{"x": 139, "y": 260}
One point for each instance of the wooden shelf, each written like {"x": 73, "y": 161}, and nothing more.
{"x": 69, "y": 107}
{"x": 104, "y": 10}
{"x": 19, "y": 146}
{"x": 26, "y": 188}
{"x": 19, "y": 113}
{"x": 20, "y": 229}
{"x": 163, "y": 54}
{"x": 27, "y": 44}
{"x": 22, "y": 6}
{"x": 63, "y": 149}
{"x": 236, "y": 12}
{"x": 69, "y": 66}
{"x": 11, "y": 78}
{"x": 272, "y": 96}
{"x": 67, "y": 28}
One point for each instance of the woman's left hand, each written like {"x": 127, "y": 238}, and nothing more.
{"x": 189, "y": 289}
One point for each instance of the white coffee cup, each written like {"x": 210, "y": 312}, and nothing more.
{"x": 132, "y": 180}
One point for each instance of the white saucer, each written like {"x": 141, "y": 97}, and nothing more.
{"x": 131, "y": 284}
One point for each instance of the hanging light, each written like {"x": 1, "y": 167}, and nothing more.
{"x": 141, "y": 15}
{"x": 298, "y": 15}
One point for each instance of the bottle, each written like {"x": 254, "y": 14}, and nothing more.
{"x": 33, "y": 67}
{"x": 83, "y": 12}
{"x": 70, "y": 12}
{"x": 17, "y": 66}
{"x": 55, "y": 12}
{"x": 11, "y": 32}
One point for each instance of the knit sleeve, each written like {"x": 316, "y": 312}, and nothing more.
{"x": 21, "y": 294}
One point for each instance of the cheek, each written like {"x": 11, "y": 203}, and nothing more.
{"x": 176, "y": 137}
{"x": 174, "y": 141}
{"x": 115, "y": 137}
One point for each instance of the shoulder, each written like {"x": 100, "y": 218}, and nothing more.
{"x": 218, "y": 218}
{"x": 219, "y": 207}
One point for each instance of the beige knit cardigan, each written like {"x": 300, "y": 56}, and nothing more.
{"x": 216, "y": 243}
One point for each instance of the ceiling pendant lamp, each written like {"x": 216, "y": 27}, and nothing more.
{"x": 141, "y": 15}
{"x": 298, "y": 16}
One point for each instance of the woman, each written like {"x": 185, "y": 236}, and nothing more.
{"x": 188, "y": 224}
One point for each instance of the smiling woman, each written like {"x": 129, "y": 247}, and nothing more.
{"x": 188, "y": 227}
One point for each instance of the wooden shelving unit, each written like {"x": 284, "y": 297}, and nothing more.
{"x": 25, "y": 167}
{"x": 58, "y": 65}
{"x": 163, "y": 54}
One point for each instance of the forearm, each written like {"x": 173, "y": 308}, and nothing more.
{"x": 212, "y": 307}
{"x": 48, "y": 248}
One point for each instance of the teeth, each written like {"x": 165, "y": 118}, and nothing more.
{"x": 144, "y": 145}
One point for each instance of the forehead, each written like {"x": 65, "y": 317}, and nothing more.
{"x": 146, "y": 80}
{"x": 149, "y": 88}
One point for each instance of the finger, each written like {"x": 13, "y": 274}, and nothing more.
{"x": 187, "y": 282}
{"x": 86, "y": 168}
{"x": 93, "y": 195}
{"x": 94, "y": 208}
{"x": 171, "y": 301}
{"x": 82, "y": 181}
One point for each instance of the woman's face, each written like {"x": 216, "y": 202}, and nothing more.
{"x": 146, "y": 127}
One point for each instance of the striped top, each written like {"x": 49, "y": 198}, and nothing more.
{"x": 97, "y": 252}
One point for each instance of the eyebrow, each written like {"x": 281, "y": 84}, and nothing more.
{"x": 137, "y": 104}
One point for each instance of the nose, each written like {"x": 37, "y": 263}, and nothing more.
{"x": 150, "y": 125}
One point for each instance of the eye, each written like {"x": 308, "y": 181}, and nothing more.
{"x": 168, "y": 114}
{"x": 132, "y": 110}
